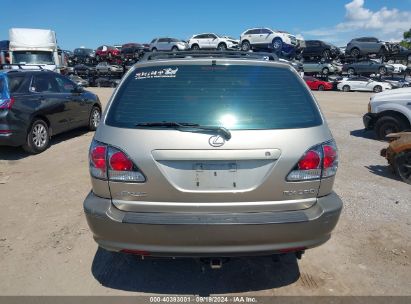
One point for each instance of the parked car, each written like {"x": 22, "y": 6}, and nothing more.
{"x": 321, "y": 49}
{"x": 396, "y": 81}
{"x": 220, "y": 176}
{"x": 365, "y": 46}
{"x": 398, "y": 154}
{"x": 106, "y": 68}
{"x": 79, "y": 81}
{"x": 38, "y": 104}
{"x": 398, "y": 68}
{"x": 212, "y": 41}
{"x": 132, "y": 51}
{"x": 106, "y": 82}
{"x": 389, "y": 112}
{"x": 359, "y": 83}
{"x": 83, "y": 55}
{"x": 267, "y": 39}
{"x": 316, "y": 84}
{"x": 402, "y": 54}
{"x": 106, "y": 52}
{"x": 324, "y": 68}
{"x": 168, "y": 44}
{"x": 367, "y": 67}
{"x": 84, "y": 70}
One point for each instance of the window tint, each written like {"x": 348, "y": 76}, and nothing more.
{"x": 65, "y": 85}
{"x": 266, "y": 31}
{"x": 238, "y": 97}
{"x": 154, "y": 40}
{"x": 44, "y": 82}
{"x": 15, "y": 82}
{"x": 162, "y": 40}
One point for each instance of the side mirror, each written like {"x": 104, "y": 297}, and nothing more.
{"x": 78, "y": 89}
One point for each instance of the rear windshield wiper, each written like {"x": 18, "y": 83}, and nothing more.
{"x": 186, "y": 125}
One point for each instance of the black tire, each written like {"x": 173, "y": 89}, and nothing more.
{"x": 325, "y": 71}
{"x": 382, "y": 70}
{"x": 195, "y": 47}
{"x": 154, "y": 50}
{"x": 321, "y": 87}
{"x": 402, "y": 166}
{"x": 389, "y": 124}
{"x": 351, "y": 71}
{"x": 326, "y": 54}
{"x": 94, "y": 119}
{"x": 377, "y": 89}
{"x": 38, "y": 137}
{"x": 355, "y": 52}
{"x": 174, "y": 49}
{"x": 346, "y": 88}
{"x": 245, "y": 46}
{"x": 277, "y": 44}
{"x": 222, "y": 47}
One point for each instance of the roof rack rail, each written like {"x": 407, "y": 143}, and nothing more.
{"x": 11, "y": 66}
{"x": 209, "y": 54}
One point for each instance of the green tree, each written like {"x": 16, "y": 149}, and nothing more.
{"x": 406, "y": 42}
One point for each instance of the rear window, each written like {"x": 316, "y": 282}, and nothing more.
{"x": 15, "y": 82}
{"x": 234, "y": 96}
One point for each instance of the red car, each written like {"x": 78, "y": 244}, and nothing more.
{"x": 316, "y": 84}
{"x": 106, "y": 51}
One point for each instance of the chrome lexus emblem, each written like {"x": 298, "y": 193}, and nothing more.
{"x": 216, "y": 141}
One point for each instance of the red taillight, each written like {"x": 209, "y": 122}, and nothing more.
{"x": 311, "y": 160}
{"x": 98, "y": 157}
{"x": 110, "y": 163}
{"x": 318, "y": 162}
{"x": 5, "y": 132}
{"x": 330, "y": 155}
{"x": 120, "y": 162}
{"x": 6, "y": 103}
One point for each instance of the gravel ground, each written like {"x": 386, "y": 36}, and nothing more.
{"x": 46, "y": 247}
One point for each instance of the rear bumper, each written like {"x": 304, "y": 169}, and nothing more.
{"x": 369, "y": 120}
{"x": 12, "y": 139}
{"x": 205, "y": 234}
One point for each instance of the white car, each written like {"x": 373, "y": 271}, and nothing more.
{"x": 398, "y": 68}
{"x": 212, "y": 41}
{"x": 389, "y": 112}
{"x": 267, "y": 38}
{"x": 360, "y": 83}
{"x": 168, "y": 44}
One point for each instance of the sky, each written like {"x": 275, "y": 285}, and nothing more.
{"x": 92, "y": 23}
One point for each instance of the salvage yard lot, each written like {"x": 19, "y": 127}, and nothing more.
{"x": 46, "y": 247}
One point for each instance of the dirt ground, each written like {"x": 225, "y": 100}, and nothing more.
{"x": 46, "y": 247}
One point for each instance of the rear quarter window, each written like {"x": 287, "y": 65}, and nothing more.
{"x": 16, "y": 82}
{"x": 239, "y": 97}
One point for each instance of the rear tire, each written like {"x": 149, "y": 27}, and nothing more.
{"x": 355, "y": 52}
{"x": 154, "y": 50}
{"x": 402, "y": 166}
{"x": 245, "y": 46}
{"x": 346, "y": 88}
{"x": 277, "y": 44}
{"x": 174, "y": 49}
{"x": 377, "y": 89}
{"x": 389, "y": 124}
{"x": 382, "y": 70}
{"x": 95, "y": 117}
{"x": 325, "y": 71}
{"x": 195, "y": 47}
{"x": 38, "y": 137}
{"x": 320, "y": 87}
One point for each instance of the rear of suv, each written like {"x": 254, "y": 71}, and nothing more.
{"x": 212, "y": 157}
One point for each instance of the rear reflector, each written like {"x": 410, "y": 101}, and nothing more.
{"x": 137, "y": 252}
{"x": 320, "y": 161}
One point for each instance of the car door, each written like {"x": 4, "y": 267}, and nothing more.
{"x": 76, "y": 102}
{"x": 201, "y": 40}
{"x": 212, "y": 41}
{"x": 363, "y": 84}
{"x": 255, "y": 36}
{"x": 53, "y": 104}
{"x": 265, "y": 36}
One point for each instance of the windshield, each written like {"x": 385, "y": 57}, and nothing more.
{"x": 32, "y": 57}
{"x": 235, "y": 97}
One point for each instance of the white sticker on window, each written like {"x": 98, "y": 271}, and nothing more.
{"x": 163, "y": 73}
